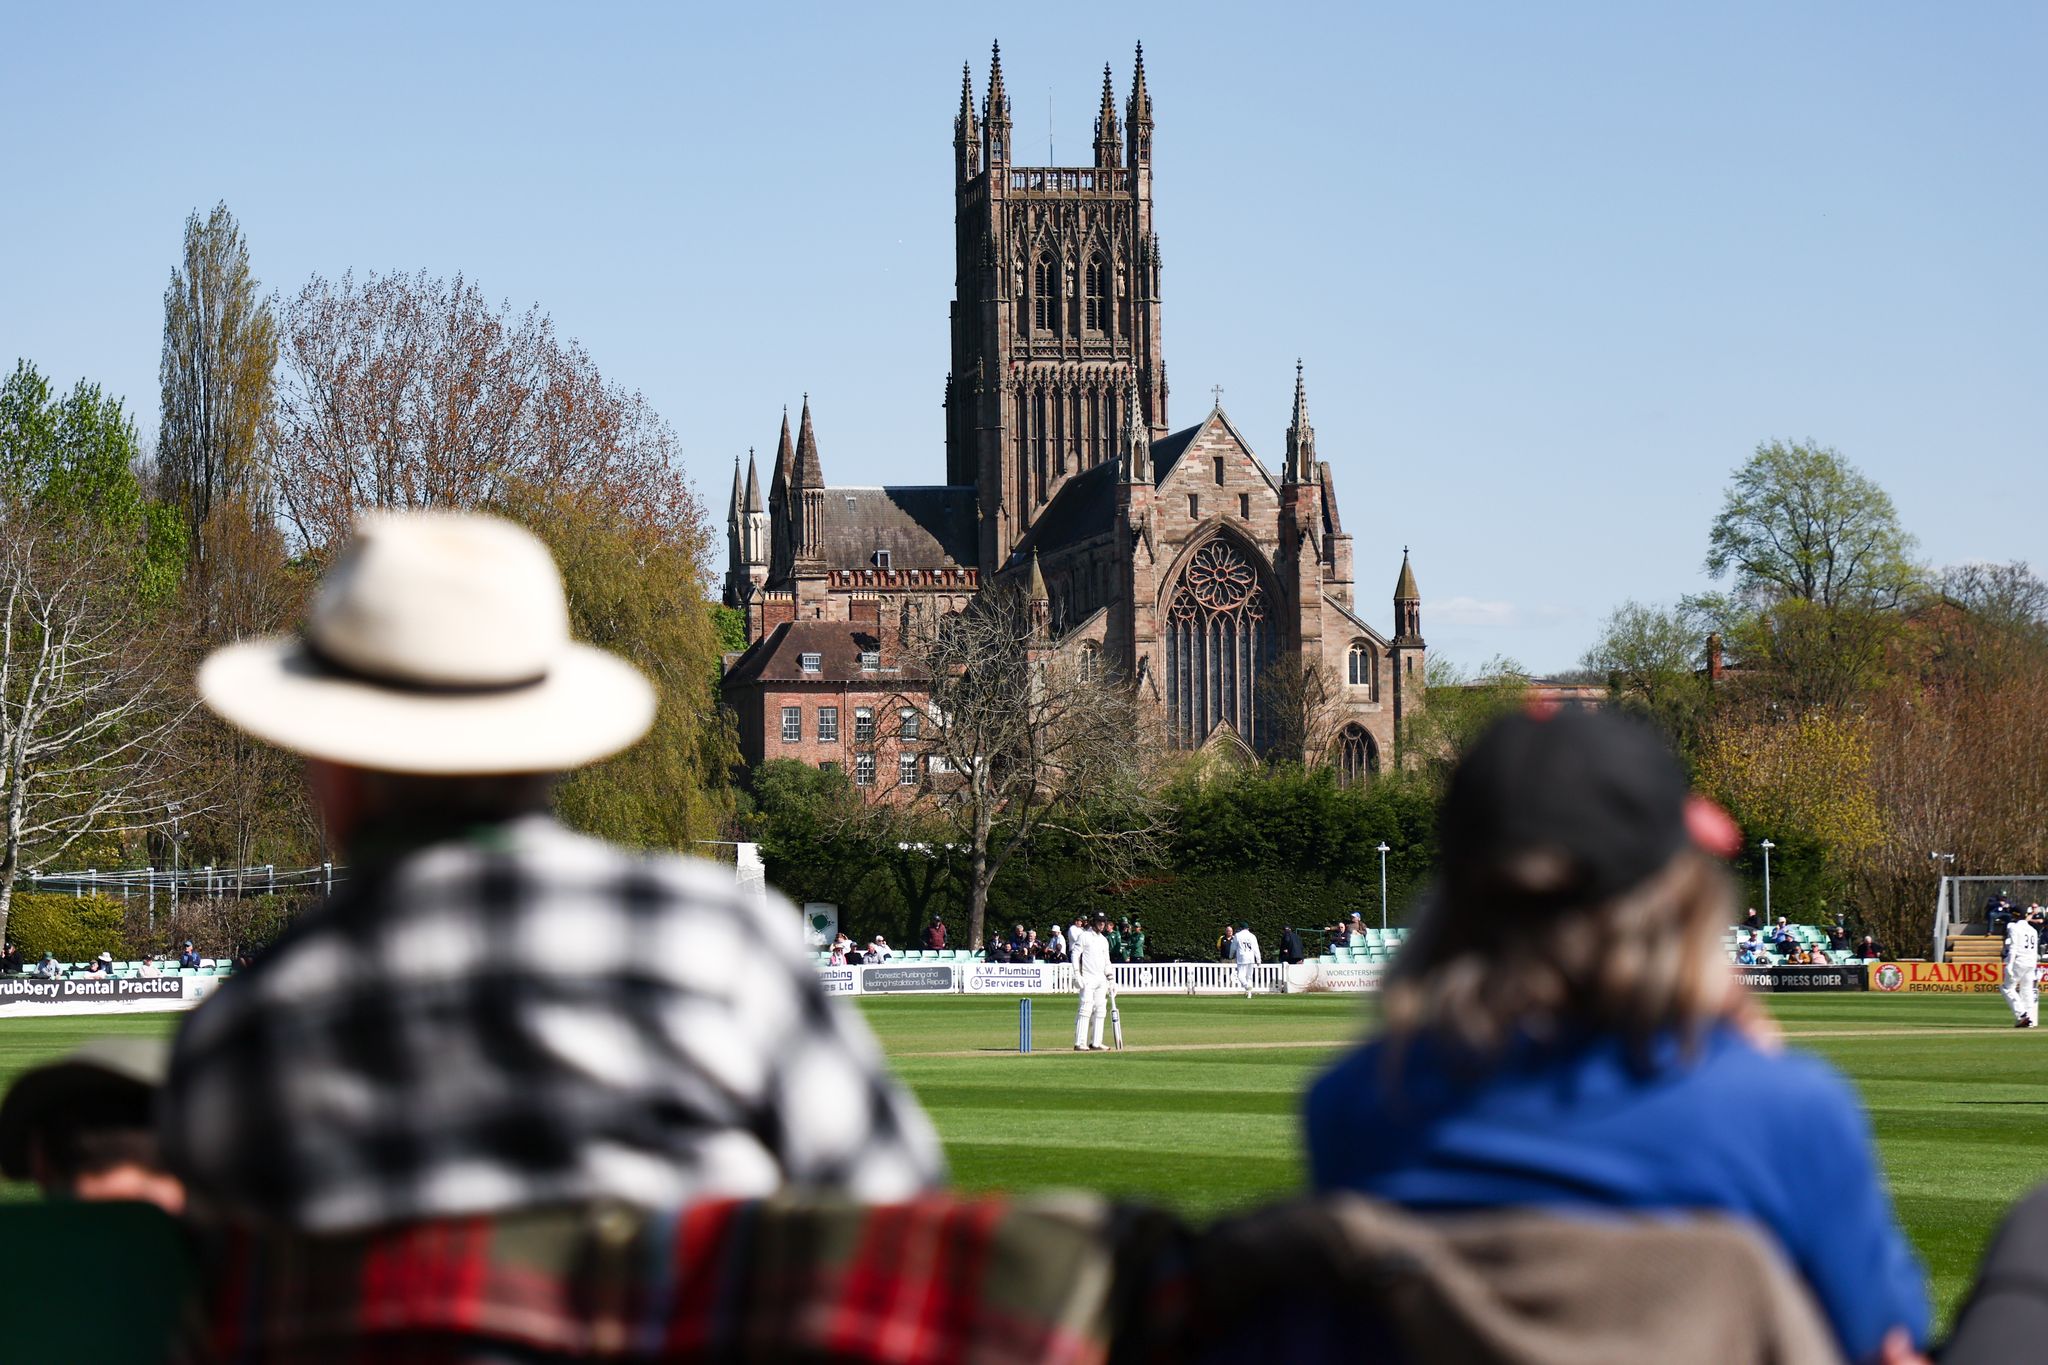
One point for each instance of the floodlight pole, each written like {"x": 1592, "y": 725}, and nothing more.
{"x": 1383, "y": 885}
{"x": 1768, "y": 846}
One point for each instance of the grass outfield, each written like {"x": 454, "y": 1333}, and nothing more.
{"x": 1200, "y": 1113}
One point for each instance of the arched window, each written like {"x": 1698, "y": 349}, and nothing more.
{"x": 1219, "y": 644}
{"x": 1091, "y": 661}
{"x": 1360, "y": 671}
{"x": 1098, "y": 293}
{"x": 1358, "y": 755}
{"x": 1044, "y": 276}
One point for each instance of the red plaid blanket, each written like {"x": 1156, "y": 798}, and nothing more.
{"x": 939, "y": 1280}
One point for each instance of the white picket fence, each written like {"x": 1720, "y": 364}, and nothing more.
{"x": 1135, "y": 978}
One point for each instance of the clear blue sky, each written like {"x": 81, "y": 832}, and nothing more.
{"x": 1554, "y": 269}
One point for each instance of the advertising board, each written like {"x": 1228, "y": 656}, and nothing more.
{"x": 839, "y": 980}
{"x": 985, "y": 977}
{"x": 103, "y": 995}
{"x": 1336, "y": 976}
{"x": 904, "y": 980}
{"x": 1803, "y": 978}
{"x": 1944, "y": 978}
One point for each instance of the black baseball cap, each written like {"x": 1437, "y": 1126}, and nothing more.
{"x": 1599, "y": 793}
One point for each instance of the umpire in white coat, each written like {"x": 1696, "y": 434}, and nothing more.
{"x": 1090, "y": 953}
{"x": 2022, "y": 959}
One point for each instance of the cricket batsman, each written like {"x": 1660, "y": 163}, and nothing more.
{"x": 2022, "y": 957}
{"x": 1244, "y": 949}
{"x": 1090, "y": 954}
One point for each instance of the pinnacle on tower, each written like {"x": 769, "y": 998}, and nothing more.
{"x": 1137, "y": 452}
{"x": 809, "y": 473}
{"x": 1405, "y": 589}
{"x": 998, "y": 102}
{"x": 1138, "y": 113}
{"x": 1301, "y": 437}
{"x": 1036, "y": 592}
{"x": 785, "y": 458}
{"x": 753, "y": 502}
{"x": 732, "y": 514}
{"x": 963, "y": 123}
{"x": 1108, "y": 138}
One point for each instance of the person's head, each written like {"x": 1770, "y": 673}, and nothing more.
{"x": 1583, "y": 888}
{"x": 435, "y": 682}
{"x": 1242, "y": 926}
{"x": 84, "y": 1126}
{"x": 1101, "y": 922}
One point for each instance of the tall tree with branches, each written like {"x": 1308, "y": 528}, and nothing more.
{"x": 1021, "y": 738}
{"x": 220, "y": 347}
{"x": 88, "y": 669}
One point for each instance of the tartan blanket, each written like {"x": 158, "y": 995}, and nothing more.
{"x": 941, "y": 1279}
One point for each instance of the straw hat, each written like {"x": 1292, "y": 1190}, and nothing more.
{"x": 438, "y": 643}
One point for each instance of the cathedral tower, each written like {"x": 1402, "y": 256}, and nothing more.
{"x": 1055, "y": 312}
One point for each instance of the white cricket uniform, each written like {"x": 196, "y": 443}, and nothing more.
{"x": 1090, "y": 953}
{"x": 1244, "y": 949}
{"x": 2022, "y": 957}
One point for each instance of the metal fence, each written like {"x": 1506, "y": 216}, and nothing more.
{"x": 160, "y": 886}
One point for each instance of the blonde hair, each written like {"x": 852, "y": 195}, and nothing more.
{"x": 1644, "y": 963}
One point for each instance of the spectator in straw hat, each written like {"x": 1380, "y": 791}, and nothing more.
{"x": 496, "y": 1013}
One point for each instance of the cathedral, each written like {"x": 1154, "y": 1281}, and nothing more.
{"x": 1176, "y": 557}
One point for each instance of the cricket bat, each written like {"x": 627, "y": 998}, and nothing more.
{"x": 1116, "y": 1023}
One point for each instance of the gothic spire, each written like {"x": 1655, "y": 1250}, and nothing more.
{"x": 1037, "y": 592}
{"x": 963, "y": 123}
{"x": 732, "y": 514}
{"x": 1138, "y": 113}
{"x": 753, "y": 501}
{"x": 996, "y": 107}
{"x": 809, "y": 473}
{"x": 1109, "y": 146}
{"x": 1405, "y": 589}
{"x": 1137, "y": 452}
{"x": 785, "y": 460}
{"x": 1301, "y": 437}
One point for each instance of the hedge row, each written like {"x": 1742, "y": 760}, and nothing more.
{"x": 74, "y": 928}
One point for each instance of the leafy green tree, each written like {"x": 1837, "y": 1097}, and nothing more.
{"x": 1651, "y": 660}
{"x": 1460, "y": 705}
{"x": 624, "y": 581}
{"x": 220, "y": 347}
{"x": 1800, "y": 522}
{"x": 90, "y": 670}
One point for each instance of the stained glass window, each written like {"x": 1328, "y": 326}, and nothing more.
{"x": 1219, "y": 642}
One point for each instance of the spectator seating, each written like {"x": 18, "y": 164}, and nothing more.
{"x": 1805, "y": 935}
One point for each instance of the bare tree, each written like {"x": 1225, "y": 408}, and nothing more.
{"x": 1022, "y": 738}
{"x": 409, "y": 391}
{"x": 1300, "y": 703}
{"x": 88, "y": 701}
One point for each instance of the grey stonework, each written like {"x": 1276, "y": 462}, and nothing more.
{"x": 1178, "y": 555}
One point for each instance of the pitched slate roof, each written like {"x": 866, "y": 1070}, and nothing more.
{"x": 778, "y": 655}
{"x": 1085, "y": 507}
{"x": 921, "y": 527}
{"x": 1168, "y": 449}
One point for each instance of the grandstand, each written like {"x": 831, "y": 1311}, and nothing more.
{"x": 1809, "y": 936}
{"x": 208, "y": 966}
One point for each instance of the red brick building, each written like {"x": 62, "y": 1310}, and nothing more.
{"x": 1179, "y": 557}
{"x": 830, "y": 694}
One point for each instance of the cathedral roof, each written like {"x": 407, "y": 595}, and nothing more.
{"x": 778, "y": 655}
{"x": 931, "y": 527}
{"x": 1084, "y": 508}
{"x": 1167, "y": 450}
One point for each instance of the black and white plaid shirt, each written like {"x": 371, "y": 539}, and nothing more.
{"x": 530, "y": 1017}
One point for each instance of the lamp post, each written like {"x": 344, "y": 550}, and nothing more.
{"x": 1768, "y": 846}
{"x": 1383, "y": 886}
